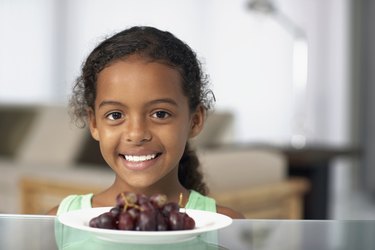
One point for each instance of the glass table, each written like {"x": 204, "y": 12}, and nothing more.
{"x": 18, "y": 232}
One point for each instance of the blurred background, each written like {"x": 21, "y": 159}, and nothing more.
{"x": 291, "y": 76}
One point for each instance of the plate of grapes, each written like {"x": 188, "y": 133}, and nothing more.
{"x": 141, "y": 219}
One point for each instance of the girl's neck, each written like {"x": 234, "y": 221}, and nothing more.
{"x": 173, "y": 191}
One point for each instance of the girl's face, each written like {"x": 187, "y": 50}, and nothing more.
{"x": 142, "y": 121}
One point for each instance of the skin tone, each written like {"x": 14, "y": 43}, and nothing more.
{"x": 142, "y": 122}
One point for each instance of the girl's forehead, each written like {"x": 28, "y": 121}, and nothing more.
{"x": 139, "y": 79}
{"x": 143, "y": 60}
{"x": 140, "y": 67}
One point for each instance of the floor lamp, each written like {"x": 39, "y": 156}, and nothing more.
{"x": 300, "y": 67}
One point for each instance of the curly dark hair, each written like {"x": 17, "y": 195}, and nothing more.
{"x": 155, "y": 45}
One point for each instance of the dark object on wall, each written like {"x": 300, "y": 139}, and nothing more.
{"x": 15, "y": 124}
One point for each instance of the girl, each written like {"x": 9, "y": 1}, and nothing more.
{"x": 143, "y": 94}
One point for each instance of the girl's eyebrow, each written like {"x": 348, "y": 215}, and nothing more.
{"x": 110, "y": 102}
{"x": 163, "y": 100}
{"x": 153, "y": 102}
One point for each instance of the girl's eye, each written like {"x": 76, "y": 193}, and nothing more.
{"x": 161, "y": 114}
{"x": 114, "y": 116}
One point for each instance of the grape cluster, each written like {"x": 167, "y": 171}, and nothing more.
{"x": 142, "y": 213}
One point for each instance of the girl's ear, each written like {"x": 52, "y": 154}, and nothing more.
{"x": 92, "y": 124}
{"x": 197, "y": 121}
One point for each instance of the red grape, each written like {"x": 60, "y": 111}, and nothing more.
{"x": 125, "y": 221}
{"x": 142, "y": 213}
{"x": 169, "y": 207}
{"x": 134, "y": 212}
{"x": 175, "y": 220}
{"x": 161, "y": 222}
{"x": 115, "y": 211}
{"x": 158, "y": 200}
{"x": 94, "y": 222}
{"x": 146, "y": 221}
{"x": 106, "y": 220}
{"x": 126, "y": 198}
{"x": 189, "y": 223}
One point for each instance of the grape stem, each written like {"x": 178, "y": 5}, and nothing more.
{"x": 180, "y": 199}
{"x": 128, "y": 204}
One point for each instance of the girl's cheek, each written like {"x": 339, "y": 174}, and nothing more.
{"x": 109, "y": 135}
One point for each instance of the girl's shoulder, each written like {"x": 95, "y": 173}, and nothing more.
{"x": 229, "y": 212}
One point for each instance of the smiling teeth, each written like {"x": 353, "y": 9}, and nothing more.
{"x": 138, "y": 158}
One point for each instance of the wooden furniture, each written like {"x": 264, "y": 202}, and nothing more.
{"x": 254, "y": 182}
{"x": 38, "y": 195}
{"x": 281, "y": 200}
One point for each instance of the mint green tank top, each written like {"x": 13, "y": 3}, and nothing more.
{"x": 76, "y": 202}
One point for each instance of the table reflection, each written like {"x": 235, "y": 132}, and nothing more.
{"x": 46, "y": 233}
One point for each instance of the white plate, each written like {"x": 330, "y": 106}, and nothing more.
{"x": 204, "y": 222}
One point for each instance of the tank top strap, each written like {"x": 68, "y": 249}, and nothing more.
{"x": 75, "y": 202}
{"x": 201, "y": 202}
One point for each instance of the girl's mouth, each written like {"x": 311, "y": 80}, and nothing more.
{"x": 140, "y": 158}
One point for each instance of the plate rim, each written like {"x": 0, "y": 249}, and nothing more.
{"x": 109, "y": 234}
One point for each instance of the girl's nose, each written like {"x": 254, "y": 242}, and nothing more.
{"x": 137, "y": 131}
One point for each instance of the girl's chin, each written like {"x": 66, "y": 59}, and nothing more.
{"x": 133, "y": 182}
